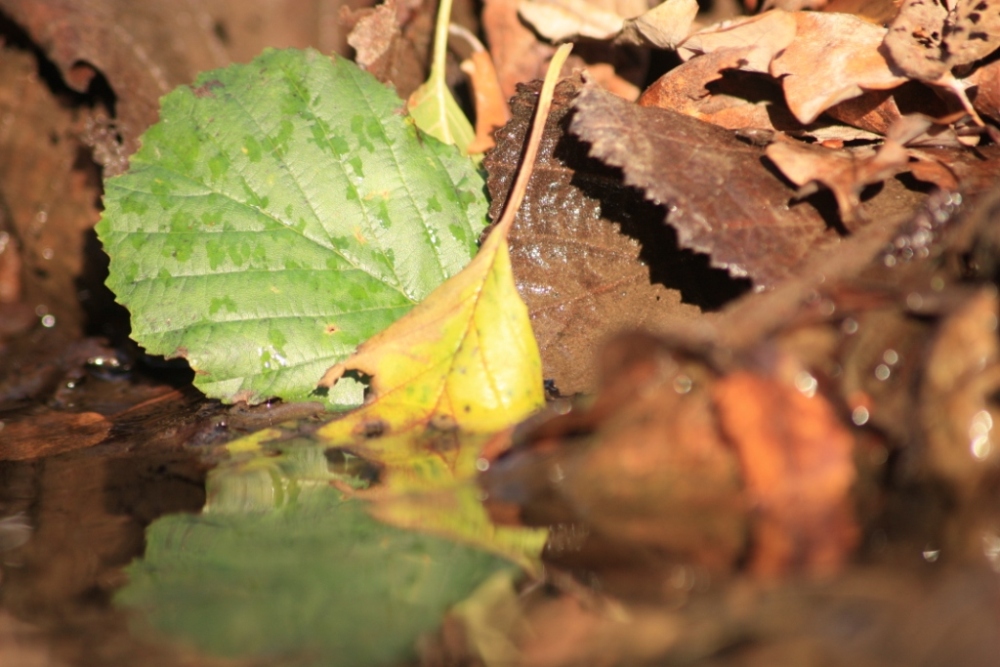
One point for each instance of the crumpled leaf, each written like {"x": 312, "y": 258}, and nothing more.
{"x": 432, "y": 106}
{"x": 587, "y": 252}
{"x": 392, "y": 41}
{"x": 821, "y": 58}
{"x": 282, "y": 213}
{"x": 664, "y": 26}
{"x": 465, "y": 357}
{"x": 721, "y": 199}
{"x": 929, "y": 38}
{"x": 845, "y": 171}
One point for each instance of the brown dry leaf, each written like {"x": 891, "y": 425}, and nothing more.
{"x": 929, "y": 38}
{"x": 492, "y": 111}
{"x": 845, "y": 171}
{"x": 392, "y": 41}
{"x": 50, "y": 434}
{"x": 986, "y": 81}
{"x": 833, "y": 57}
{"x": 141, "y": 52}
{"x": 664, "y": 26}
{"x": 721, "y": 198}
{"x": 765, "y": 35}
{"x": 798, "y": 469}
{"x": 561, "y": 20}
{"x": 517, "y": 53}
{"x": 588, "y": 254}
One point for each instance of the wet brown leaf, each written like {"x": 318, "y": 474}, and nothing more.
{"x": 588, "y": 253}
{"x": 798, "y": 469}
{"x": 50, "y": 434}
{"x": 722, "y": 200}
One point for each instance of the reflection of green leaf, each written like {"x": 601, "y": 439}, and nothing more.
{"x": 281, "y": 213}
{"x": 314, "y": 581}
{"x": 432, "y": 105}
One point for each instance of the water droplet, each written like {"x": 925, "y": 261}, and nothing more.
{"x": 889, "y": 260}
{"x": 980, "y": 443}
{"x": 806, "y": 383}
{"x": 849, "y": 326}
{"x": 827, "y": 308}
{"x": 683, "y": 384}
{"x": 48, "y": 253}
{"x": 48, "y": 321}
{"x": 890, "y": 357}
{"x": 991, "y": 549}
{"x": 482, "y": 465}
{"x": 882, "y": 372}
{"x": 914, "y": 301}
{"x": 860, "y": 415}
{"x": 556, "y": 475}
{"x": 930, "y": 555}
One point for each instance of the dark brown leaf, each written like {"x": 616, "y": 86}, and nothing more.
{"x": 722, "y": 199}
{"x": 589, "y": 255}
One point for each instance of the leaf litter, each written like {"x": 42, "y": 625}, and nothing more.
{"x": 837, "y": 424}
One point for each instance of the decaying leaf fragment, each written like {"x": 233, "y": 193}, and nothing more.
{"x": 929, "y": 38}
{"x": 721, "y": 199}
{"x": 821, "y": 58}
{"x": 664, "y": 26}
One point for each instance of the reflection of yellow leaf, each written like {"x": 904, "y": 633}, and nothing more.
{"x": 465, "y": 357}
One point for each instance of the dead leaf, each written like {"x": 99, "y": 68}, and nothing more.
{"x": 764, "y": 36}
{"x": 560, "y": 20}
{"x": 798, "y": 468}
{"x": 721, "y": 199}
{"x": 393, "y": 42}
{"x": 51, "y": 434}
{"x": 833, "y": 58}
{"x": 517, "y": 53}
{"x": 664, "y": 26}
{"x": 986, "y": 81}
{"x": 141, "y": 54}
{"x": 929, "y": 38}
{"x": 492, "y": 111}
{"x": 588, "y": 255}
{"x": 845, "y": 171}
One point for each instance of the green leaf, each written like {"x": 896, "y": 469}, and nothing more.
{"x": 279, "y": 568}
{"x": 279, "y": 214}
{"x": 432, "y": 105}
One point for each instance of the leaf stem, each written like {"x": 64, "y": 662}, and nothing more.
{"x": 441, "y": 38}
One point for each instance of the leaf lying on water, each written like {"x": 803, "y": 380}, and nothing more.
{"x": 281, "y": 213}
{"x": 722, "y": 200}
